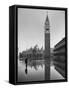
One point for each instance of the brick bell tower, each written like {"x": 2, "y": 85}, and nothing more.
{"x": 47, "y": 48}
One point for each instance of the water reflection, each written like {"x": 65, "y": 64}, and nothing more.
{"x": 47, "y": 68}
{"x": 37, "y": 70}
{"x": 26, "y": 71}
{"x": 26, "y": 61}
{"x": 31, "y": 70}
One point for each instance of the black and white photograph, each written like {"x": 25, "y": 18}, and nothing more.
{"x": 41, "y": 45}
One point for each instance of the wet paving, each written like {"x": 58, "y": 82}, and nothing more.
{"x": 35, "y": 71}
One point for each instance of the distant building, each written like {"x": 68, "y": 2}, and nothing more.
{"x": 32, "y": 54}
{"x": 59, "y": 57}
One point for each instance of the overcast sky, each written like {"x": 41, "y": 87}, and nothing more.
{"x": 31, "y": 27}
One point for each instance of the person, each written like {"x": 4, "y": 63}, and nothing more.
{"x": 26, "y": 71}
{"x": 26, "y": 61}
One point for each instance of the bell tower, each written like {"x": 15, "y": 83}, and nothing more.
{"x": 47, "y": 37}
{"x": 47, "y": 48}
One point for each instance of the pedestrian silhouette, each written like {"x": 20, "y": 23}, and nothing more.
{"x": 26, "y": 61}
{"x": 26, "y": 71}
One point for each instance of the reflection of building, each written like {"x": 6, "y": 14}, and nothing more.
{"x": 47, "y": 49}
{"x": 59, "y": 57}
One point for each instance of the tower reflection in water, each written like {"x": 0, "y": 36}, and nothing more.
{"x": 47, "y": 68}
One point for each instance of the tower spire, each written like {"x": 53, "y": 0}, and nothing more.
{"x": 47, "y": 23}
{"x": 47, "y": 19}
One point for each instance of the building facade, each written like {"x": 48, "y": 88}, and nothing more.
{"x": 32, "y": 55}
{"x": 59, "y": 57}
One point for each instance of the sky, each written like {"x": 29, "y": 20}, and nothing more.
{"x": 31, "y": 27}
